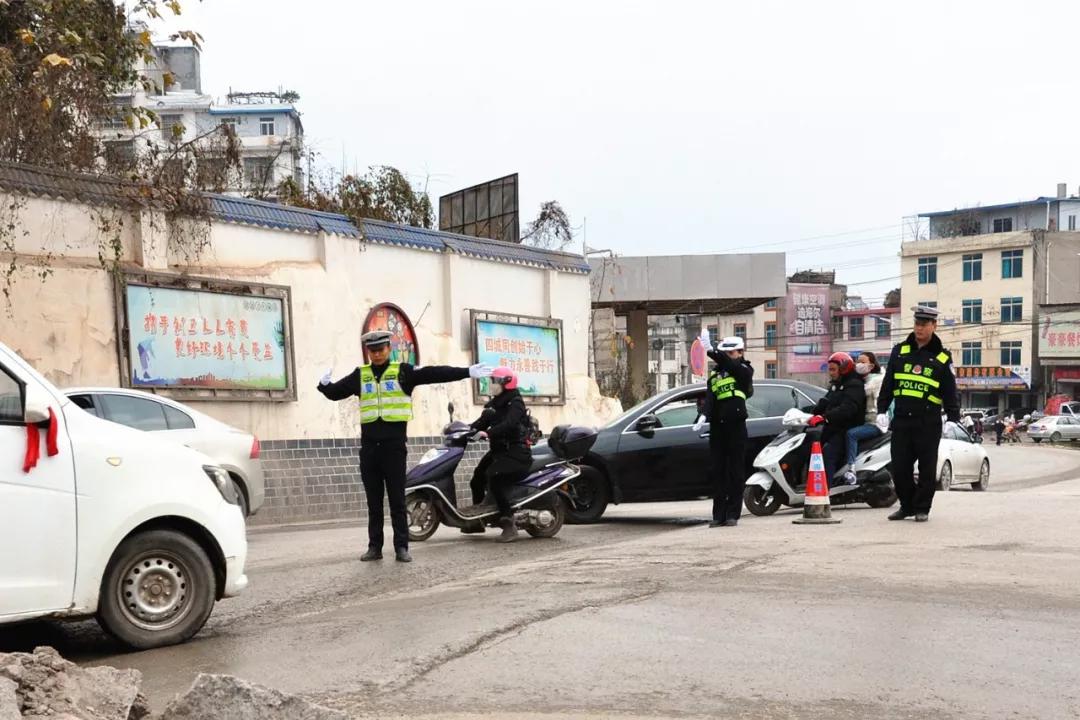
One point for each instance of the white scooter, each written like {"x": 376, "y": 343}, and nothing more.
{"x": 780, "y": 470}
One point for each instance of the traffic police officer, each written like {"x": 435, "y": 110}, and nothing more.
{"x": 730, "y": 384}
{"x": 919, "y": 380}
{"x": 385, "y": 390}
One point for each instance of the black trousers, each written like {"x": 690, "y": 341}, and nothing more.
{"x": 915, "y": 439}
{"x": 727, "y": 444}
{"x": 382, "y": 470}
{"x": 499, "y": 472}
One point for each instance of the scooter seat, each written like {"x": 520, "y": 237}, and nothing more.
{"x": 874, "y": 442}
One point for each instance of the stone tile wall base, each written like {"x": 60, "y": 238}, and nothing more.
{"x": 319, "y": 479}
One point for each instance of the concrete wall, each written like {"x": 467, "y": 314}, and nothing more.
{"x": 688, "y": 277}
{"x": 65, "y": 325}
{"x": 1063, "y": 253}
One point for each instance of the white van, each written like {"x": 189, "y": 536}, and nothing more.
{"x": 142, "y": 533}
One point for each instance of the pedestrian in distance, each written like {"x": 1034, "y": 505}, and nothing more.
{"x": 384, "y": 390}
{"x": 919, "y": 380}
{"x": 730, "y": 384}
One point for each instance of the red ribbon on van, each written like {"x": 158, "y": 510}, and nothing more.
{"x": 33, "y": 442}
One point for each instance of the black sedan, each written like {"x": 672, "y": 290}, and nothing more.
{"x": 651, "y": 453}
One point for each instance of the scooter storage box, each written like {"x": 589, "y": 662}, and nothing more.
{"x": 571, "y": 441}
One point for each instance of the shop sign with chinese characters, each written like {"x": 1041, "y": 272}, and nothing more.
{"x": 531, "y": 347}
{"x": 1002, "y": 378}
{"x": 807, "y": 318}
{"x": 1059, "y": 335}
{"x": 199, "y": 339}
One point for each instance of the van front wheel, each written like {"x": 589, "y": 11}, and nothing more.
{"x": 158, "y": 589}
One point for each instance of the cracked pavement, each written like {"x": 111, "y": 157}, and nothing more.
{"x": 652, "y": 614}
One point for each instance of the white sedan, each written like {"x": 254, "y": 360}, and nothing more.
{"x": 1055, "y": 428}
{"x": 961, "y": 461}
{"x": 234, "y": 450}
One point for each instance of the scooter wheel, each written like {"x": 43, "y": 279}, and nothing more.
{"x": 552, "y": 528}
{"x": 423, "y": 517}
{"x": 760, "y": 502}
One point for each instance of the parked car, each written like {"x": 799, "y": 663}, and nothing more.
{"x": 1070, "y": 409}
{"x": 1055, "y": 428}
{"x": 651, "y": 453}
{"x": 142, "y": 533}
{"x": 961, "y": 461}
{"x": 235, "y": 450}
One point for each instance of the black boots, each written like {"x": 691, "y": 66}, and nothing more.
{"x": 371, "y": 554}
{"x": 509, "y": 530}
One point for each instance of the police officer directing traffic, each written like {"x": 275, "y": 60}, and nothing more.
{"x": 385, "y": 389}
{"x": 729, "y": 386}
{"x": 919, "y": 380}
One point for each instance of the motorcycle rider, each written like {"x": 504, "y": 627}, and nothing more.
{"x": 869, "y": 369}
{"x": 842, "y": 408}
{"x": 730, "y": 384}
{"x": 919, "y": 378}
{"x": 509, "y": 458}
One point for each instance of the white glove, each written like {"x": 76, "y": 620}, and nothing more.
{"x": 883, "y": 422}
{"x": 480, "y": 371}
{"x": 699, "y": 423}
{"x": 705, "y": 339}
{"x": 328, "y": 377}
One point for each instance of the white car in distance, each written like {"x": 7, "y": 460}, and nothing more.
{"x": 234, "y": 450}
{"x": 961, "y": 461}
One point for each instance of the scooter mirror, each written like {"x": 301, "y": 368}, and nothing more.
{"x": 450, "y": 409}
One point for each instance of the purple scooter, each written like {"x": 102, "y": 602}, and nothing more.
{"x": 539, "y": 500}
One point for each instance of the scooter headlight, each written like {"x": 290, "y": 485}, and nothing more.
{"x": 432, "y": 454}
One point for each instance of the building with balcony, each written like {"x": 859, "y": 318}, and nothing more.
{"x": 858, "y": 328}
{"x": 985, "y": 269}
{"x": 266, "y": 125}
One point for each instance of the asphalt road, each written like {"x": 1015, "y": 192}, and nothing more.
{"x": 652, "y": 614}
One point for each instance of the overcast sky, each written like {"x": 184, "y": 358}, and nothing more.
{"x": 678, "y": 127}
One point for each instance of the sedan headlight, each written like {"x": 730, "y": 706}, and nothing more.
{"x": 222, "y": 482}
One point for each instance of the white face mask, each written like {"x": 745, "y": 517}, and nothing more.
{"x": 863, "y": 368}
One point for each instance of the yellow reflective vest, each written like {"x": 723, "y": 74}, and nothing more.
{"x": 382, "y": 398}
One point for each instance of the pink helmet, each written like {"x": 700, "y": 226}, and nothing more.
{"x": 505, "y": 377}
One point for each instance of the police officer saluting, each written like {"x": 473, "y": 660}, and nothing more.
{"x": 729, "y": 385}
{"x": 919, "y": 379}
{"x": 385, "y": 390}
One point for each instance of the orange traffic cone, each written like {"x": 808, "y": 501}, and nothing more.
{"x": 816, "y": 507}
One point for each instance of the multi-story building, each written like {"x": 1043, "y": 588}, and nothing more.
{"x": 269, "y": 134}
{"x": 760, "y": 330}
{"x": 985, "y": 269}
{"x": 857, "y": 328}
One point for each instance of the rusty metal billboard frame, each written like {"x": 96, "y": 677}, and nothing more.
{"x": 488, "y": 210}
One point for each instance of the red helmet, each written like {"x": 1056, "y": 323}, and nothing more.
{"x": 844, "y": 360}
{"x": 507, "y": 378}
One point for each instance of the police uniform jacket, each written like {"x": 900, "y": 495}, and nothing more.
{"x": 409, "y": 377}
{"x": 732, "y": 409}
{"x": 920, "y": 381}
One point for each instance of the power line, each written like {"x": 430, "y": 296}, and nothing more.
{"x": 813, "y": 237}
